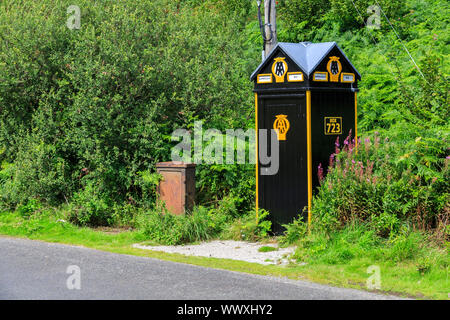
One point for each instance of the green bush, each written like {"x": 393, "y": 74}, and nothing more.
{"x": 304, "y": 20}
{"x": 26, "y": 210}
{"x": 97, "y": 106}
{"x": 85, "y": 114}
{"x": 39, "y": 172}
{"x": 165, "y": 228}
{"x": 388, "y": 183}
{"x": 249, "y": 228}
{"x": 233, "y": 183}
{"x": 360, "y": 241}
{"x": 90, "y": 207}
{"x": 294, "y": 231}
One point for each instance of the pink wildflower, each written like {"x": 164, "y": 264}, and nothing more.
{"x": 336, "y": 144}
{"x": 320, "y": 173}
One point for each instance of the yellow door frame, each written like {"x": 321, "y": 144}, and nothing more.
{"x": 309, "y": 151}
{"x": 257, "y": 156}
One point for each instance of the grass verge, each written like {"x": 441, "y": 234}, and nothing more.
{"x": 402, "y": 279}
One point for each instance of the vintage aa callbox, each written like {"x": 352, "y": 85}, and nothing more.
{"x": 306, "y": 92}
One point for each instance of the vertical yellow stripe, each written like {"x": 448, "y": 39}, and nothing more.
{"x": 257, "y": 159}
{"x": 309, "y": 151}
{"x": 356, "y": 120}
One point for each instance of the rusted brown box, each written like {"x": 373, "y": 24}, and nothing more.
{"x": 177, "y": 187}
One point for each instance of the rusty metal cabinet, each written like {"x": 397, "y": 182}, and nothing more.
{"x": 177, "y": 187}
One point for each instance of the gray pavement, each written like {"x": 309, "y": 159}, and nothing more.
{"x": 38, "y": 270}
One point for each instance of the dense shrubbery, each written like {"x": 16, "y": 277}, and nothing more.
{"x": 85, "y": 114}
{"x": 399, "y": 177}
{"x": 360, "y": 243}
{"x": 203, "y": 224}
{"x": 171, "y": 230}
{"x": 305, "y": 19}
{"x": 248, "y": 228}
{"x": 388, "y": 185}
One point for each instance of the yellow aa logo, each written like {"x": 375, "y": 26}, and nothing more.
{"x": 279, "y": 69}
{"x": 281, "y": 126}
{"x": 334, "y": 67}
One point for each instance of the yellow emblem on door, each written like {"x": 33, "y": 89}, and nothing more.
{"x": 281, "y": 126}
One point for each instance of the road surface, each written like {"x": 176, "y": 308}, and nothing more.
{"x": 38, "y": 270}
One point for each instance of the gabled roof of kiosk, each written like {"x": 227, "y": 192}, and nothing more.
{"x": 306, "y": 55}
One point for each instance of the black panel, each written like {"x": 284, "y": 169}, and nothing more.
{"x": 285, "y": 194}
{"x": 346, "y": 68}
{"x": 292, "y": 67}
{"x": 332, "y": 105}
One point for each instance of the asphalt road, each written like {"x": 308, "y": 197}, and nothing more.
{"x": 38, "y": 270}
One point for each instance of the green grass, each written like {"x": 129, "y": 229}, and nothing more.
{"x": 409, "y": 261}
{"x": 267, "y": 249}
{"x": 401, "y": 278}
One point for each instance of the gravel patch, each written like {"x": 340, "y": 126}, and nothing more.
{"x": 229, "y": 249}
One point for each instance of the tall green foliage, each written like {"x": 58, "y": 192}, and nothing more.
{"x": 404, "y": 180}
{"x": 388, "y": 183}
{"x": 304, "y": 20}
{"x": 85, "y": 114}
{"x": 84, "y": 111}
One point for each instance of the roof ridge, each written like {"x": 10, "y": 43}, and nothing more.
{"x": 306, "y": 57}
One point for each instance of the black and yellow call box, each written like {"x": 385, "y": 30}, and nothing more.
{"x": 307, "y": 93}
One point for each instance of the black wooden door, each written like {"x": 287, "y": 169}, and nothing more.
{"x": 332, "y": 118}
{"x": 285, "y": 193}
